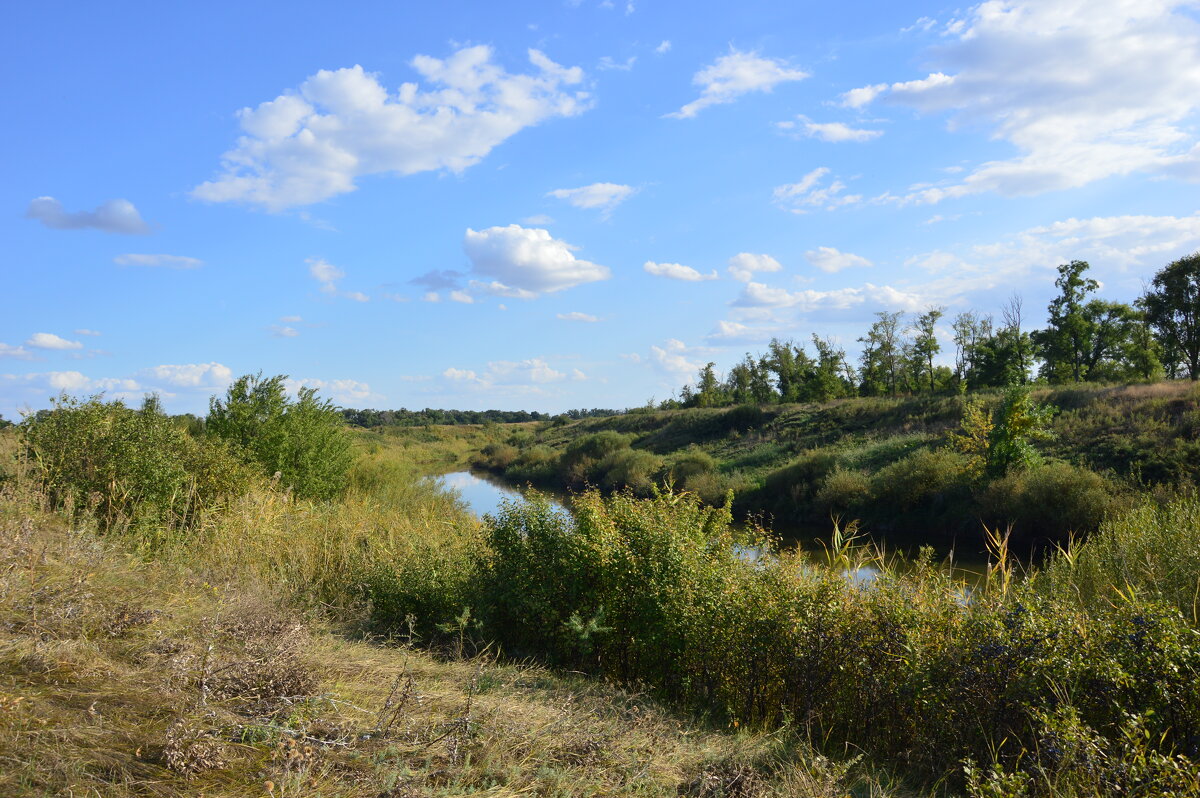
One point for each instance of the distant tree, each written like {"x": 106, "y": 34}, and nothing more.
{"x": 882, "y": 356}
{"x": 925, "y": 346}
{"x": 789, "y": 363}
{"x": 305, "y": 441}
{"x": 970, "y": 332}
{"x": 1065, "y": 343}
{"x": 827, "y": 377}
{"x": 1017, "y": 347}
{"x": 5, "y": 422}
{"x": 1172, "y": 304}
{"x": 708, "y": 388}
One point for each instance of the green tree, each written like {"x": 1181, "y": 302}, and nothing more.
{"x": 304, "y": 441}
{"x": 882, "y": 356}
{"x": 708, "y": 388}
{"x": 1018, "y": 424}
{"x": 1065, "y": 343}
{"x": 1172, "y": 304}
{"x": 925, "y": 346}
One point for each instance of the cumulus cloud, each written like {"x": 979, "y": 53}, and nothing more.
{"x": 760, "y": 295}
{"x": 438, "y": 280}
{"x": 284, "y": 331}
{"x": 84, "y": 331}
{"x": 44, "y": 340}
{"x": 577, "y": 316}
{"x": 830, "y": 260}
{"x": 735, "y": 74}
{"x": 834, "y": 132}
{"x": 677, "y": 271}
{"x": 314, "y": 143}
{"x": 114, "y": 216}
{"x": 341, "y": 391}
{"x": 191, "y": 375}
{"x": 743, "y": 265}
{"x": 158, "y": 261}
{"x": 461, "y": 297}
{"x": 328, "y": 276}
{"x": 674, "y": 358}
{"x": 510, "y": 374}
{"x": 812, "y": 193}
{"x": 734, "y": 332}
{"x": 604, "y": 196}
{"x": 1082, "y": 90}
{"x": 528, "y": 260}
{"x": 16, "y": 352}
{"x": 664, "y": 47}
{"x": 608, "y": 63}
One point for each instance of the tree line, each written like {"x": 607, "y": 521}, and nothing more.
{"x": 417, "y": 418}
{"x": 1086, "y": 338}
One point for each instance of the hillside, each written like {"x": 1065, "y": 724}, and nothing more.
{"x": 885, "y": 461}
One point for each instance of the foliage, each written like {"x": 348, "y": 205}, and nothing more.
{"x": 1172, "y": 306}
{"x": 1019, "y": 423}
{"x": 304, "y": 440}
{"x": 122, "y": 465}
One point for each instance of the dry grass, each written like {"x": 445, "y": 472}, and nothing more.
{"x": 121, "y": 676}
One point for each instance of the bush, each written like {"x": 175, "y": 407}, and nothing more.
{"x": 1051, "y": 501}
{"x": 126, "y": 465}
{"x": 579, "y": 461}
{"x": 923, "y": 478}
{"x": 305, "y": 441}
{"x": 794, "y": 484}
{"x": 691, "y": 462}
{"x": 629, "y": 468}
{"x": 498, "y": 456}
{"x": 843, "y": 489}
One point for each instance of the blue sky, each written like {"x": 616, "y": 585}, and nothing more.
{"x": 561, "y": 204}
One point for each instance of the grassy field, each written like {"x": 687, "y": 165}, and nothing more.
{"x": 389, "y": 643}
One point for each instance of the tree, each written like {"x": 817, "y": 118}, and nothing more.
{"x": 1018, "y": 424}
{"x": 1172, "y": 306}
{"x": 925, "y": 345}
{"x": 1064, "y": 344}
{"x": 882, "y": 356}
{"x": 708, "y": 388}
{"x": 305, "y": 441}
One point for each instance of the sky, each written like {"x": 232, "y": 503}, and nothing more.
{"x": 561, "y": 204}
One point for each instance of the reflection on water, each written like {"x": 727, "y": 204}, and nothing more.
{"x": 484, "y": 493}
{"x": 481, "y": 494}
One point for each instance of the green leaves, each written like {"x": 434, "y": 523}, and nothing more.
{"x": 304, "y": 441}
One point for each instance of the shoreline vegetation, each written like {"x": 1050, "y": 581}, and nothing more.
{"x": 269, "y": 602}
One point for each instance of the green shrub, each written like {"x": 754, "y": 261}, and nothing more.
{"x": 578, "y": 463}
{"x": 629, "y": 468}
{"x": 305, "y": 441}
{"x": 538, "y": 464}
{"x": 921, "y": 479}
{"x": 843, "y": 489}
{"x": 690, "y": 462}
{"x": 124, "y": 465}
{"x": 794, "y": 485}
{"x": 1050, "y": 501}
{"x": 498, "y": 455}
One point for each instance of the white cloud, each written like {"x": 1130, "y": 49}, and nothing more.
{"x": 290, "y": 319}
{"x": 431, "y": 296}
{"x": 85, "y": 331}
{"x": 160, "y": 261}
{"x": 672, "y": 358}
{"x": 577, "y": 316}
{"x": 509, "y": 374}
{"x": 340, "y": 391}
{"x": 313, "y": 144}
{"x": 833, "y": 132}
{"x": 1082, "y": 90}
{"x": 733, "y": 75}
{"x": 604, "y": 196}
{"x": 743, "y": 265}
{"x": 830, "y": 260}
{"x": 734, "y": 332}
{"x": 114, "y": 216}
{"x": 677, "y": 271}
{"x": 17, "y": 352}
{"x": 809, "y": 193}
{"x": 328, "y": 276}
{"x": 45, "y": 340}
{"x": 663, "y": 48}
{"x": 459, "y": 374}
{"x": 857, "y": 98}
{"x": 191, "y": 375}
{"x": 75, "y": 382}
{"x": 538, "y": 220}
{"x": 284, "y": 331}
{"x": 496, "y": 288}
{"x": 462, "y": 296}
{"x": 607, "y": 63}
{"x": 528, "y": 259}
{"x": 759, "y": 295}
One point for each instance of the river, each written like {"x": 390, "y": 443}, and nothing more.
{"x": 484, "y": 493}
